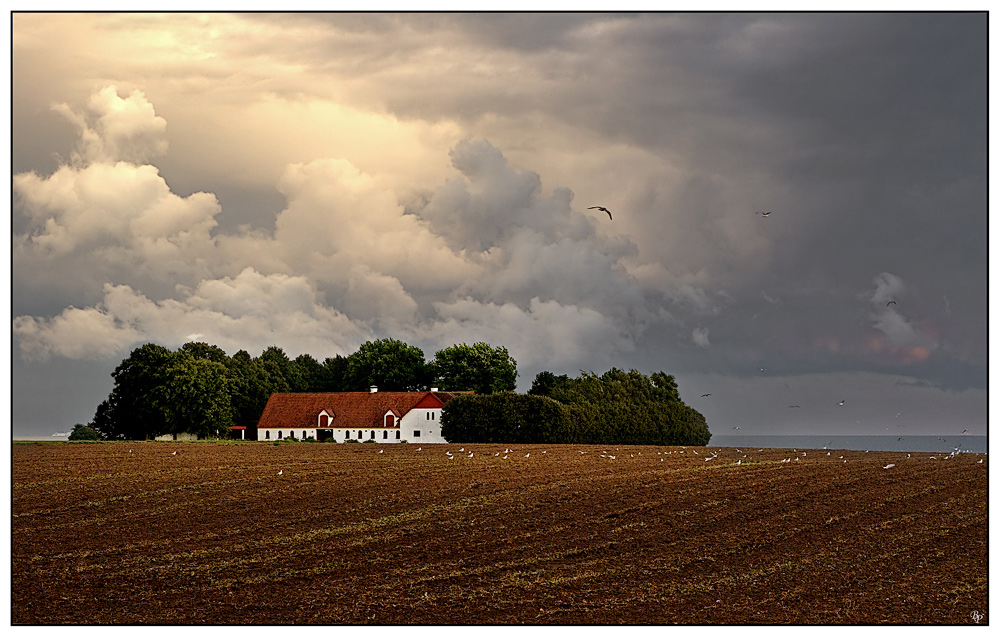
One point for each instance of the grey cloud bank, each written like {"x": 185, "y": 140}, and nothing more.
{"x": 315, "y": 181}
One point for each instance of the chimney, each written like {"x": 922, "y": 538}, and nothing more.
{"x": 373, "y": 389}
{"x": 434, "y": 388}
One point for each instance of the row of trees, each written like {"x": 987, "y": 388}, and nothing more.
{"x": 199, "y": 389}
{"x": 615, "y": 408}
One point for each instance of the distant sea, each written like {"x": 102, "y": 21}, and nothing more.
{"x": 965, "y": 444}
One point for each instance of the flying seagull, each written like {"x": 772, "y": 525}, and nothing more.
{"x": 890, "y": 303}
{"x": 841, "y": 403}
{"x": 704, "y": 395}
{"x": 764, "y": 214}
{"x": 603, "y": 209}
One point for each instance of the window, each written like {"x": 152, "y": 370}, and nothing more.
{"x": 303, "y": 434}
{"x": 267, "y": 435}
{"x": 385, "y": 435}
{"x": 390, "y": 420}
{"x": 279, "y": 434}
{"x": 347, "y": 435}
{"x": 361, "y": 434}
{"x": 397, "y": 435}
{"x": 416, "y": 434}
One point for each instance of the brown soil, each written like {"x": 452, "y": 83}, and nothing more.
{"x": 389, "y": 534}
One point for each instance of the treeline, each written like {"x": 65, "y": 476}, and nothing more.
{"x": 618, "y": 407}
{"x": 199, "y": 389}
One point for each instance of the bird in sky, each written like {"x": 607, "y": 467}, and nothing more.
{"x": 793, "y": 407}
{"x": 765, "y": 214}
{"x": 602, "y": 208}
{"x": 704, "y": 395}
{"x": 890, "y": 303}
{"x": 841, "y": 403}
{"x": 735, "y": 427}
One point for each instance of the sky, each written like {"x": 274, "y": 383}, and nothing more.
{"x": 315, "y": 181}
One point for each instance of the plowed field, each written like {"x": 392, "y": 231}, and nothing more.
{"x": 402, "y": 534}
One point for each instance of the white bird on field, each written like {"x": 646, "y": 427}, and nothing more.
{"x": 889, "y": 466}
{"x": 418, "y": 448}
{"x": 281, "y": 472}
{"x": 174, "y": 453}
{"x": 470, "y": 454}
{"x": 505, "y": 457}
{"x": 462, "y": 449}
{"x": 381, "y": 450}
{"x": 527, "y": 454}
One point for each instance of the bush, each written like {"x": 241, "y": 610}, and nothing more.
{"x": 615, "y": 408}
{"x": 83, "y": 432}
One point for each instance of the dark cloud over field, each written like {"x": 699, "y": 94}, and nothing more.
{"x": 315, "y": 181}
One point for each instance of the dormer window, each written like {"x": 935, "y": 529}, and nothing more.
{"x": 390, "y": 420}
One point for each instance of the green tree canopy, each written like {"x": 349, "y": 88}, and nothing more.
{"x": 130, "y": 412}
{"x": 479, "y": 367}
{"x": 390, "y": 364}
{"x": 195, "y": 397}
{"x": 617, "y": 407}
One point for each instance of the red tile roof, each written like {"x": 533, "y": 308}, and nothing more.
{"x": 346, "y": 409}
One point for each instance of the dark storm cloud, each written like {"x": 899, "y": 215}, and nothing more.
{"x": 863, "y": 134}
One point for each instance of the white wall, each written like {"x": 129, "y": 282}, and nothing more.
{"x": 426, "y": 421}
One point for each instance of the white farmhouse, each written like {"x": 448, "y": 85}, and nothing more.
{"x": 383, "y": 417}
